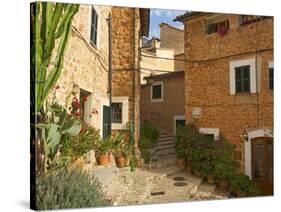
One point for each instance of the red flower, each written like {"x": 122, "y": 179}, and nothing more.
{"x": 78, "y": 114}
{"x": 57, "y": 87}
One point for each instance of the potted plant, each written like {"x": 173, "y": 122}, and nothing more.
{"x": 102, "y": 152}
{"x": 224, "y": 171}
{"x": 120, "y": 156}
{"x": 243, "y": 186}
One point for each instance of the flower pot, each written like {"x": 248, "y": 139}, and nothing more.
{"x": 103, "y": 159}
{"x": 211, "y": 179}
{"x": 120, "y": 162}
{"x": 241, "y": 193}
{"x": 180, "y": 162}
{"x": 224, "y": 185}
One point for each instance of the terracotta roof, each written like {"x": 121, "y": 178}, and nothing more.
{"x": 188, "y": 15}
{"x": 170, "y": 75}
{"x": 173, "y": 27}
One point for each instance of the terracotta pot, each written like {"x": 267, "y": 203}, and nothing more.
{"x": 224, "y": 185}
{"x": 103, "y": 159}
{"x": 180, "y": 162}
{"x": 241, "y": 194}
{"x": 211, "y": 179}
{"x": 120, "y": 162}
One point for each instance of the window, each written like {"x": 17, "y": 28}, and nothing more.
{"x": 215, "y": 23}
{"x": 212, "y": 133}
{"x": 248, "y": 19}
{"x": 116, "y": 112}
{"x": 243, "y": 76}
{"x": 85, "y": 105}
{"x": 120, "y": 112}
{"x": 94, "y": 26}
{"x": 271, "y": 76}
{"x": 242, "y": 79}
{"x": 157, "y": 92}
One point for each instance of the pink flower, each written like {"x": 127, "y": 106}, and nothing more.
{"x": 222, "y": 30}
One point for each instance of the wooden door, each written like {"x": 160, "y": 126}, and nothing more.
{"x": 262, "y": 164}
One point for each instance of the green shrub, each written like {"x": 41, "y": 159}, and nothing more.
{"x": 75, "y": 147}
{"x": 68, "y": 189}
{"x": 242, "y": 183}
{"x": 148, "y": 137}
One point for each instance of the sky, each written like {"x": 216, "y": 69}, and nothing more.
{"x": 160, "y": 15}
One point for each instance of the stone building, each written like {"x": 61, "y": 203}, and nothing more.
{"x": 158, "y": 54}
{"x": 128, "y": 26}
{"x": 229, "y": 85}
{"x": 86, "y": 63}
{"x": 162, "y": 101}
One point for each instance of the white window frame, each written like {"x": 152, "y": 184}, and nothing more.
{"x": 213, "y": 131}
{"x": 125, "y": 112}
{"x": 162, "y": 91}
{"x": 253, "y": 77}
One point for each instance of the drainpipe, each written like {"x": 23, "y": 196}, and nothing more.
{"x": 109, "y": 68}
{"x": 133, "y": 73}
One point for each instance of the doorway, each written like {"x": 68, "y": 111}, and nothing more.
{"x": 262, "y": 164}
{"x": 178, "y": 121}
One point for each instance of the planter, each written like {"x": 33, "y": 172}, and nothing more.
{"x": 103, "y": 159}
{"x": 211, "y": 179}
{"x": 180, "y": 162}
{"x": 121, "y": 162}
{"x": 241, "y": 194}
{"x": 224, "y": 185}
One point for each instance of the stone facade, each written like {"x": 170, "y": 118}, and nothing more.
{"x": 208, "y": 77}
{"x": 171, "y": 38}
{"x": 162, "y": 114}
{"x": 86, "y": 64}
{"x": 170, "y": 45}
{"x": 127, "y": 24}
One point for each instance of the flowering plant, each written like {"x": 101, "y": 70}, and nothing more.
{"x": 222, "y": 30}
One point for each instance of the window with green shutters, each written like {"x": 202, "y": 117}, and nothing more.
{"x": 242, "y": 79}
{"x": 271, "y": 69}
{"x": 94, "y": 26}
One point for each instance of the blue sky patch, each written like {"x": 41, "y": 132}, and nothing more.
{"x": 161, "y": 15}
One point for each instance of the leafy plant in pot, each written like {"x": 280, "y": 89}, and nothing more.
{"x": 224, "y": 172}
{"x": 243, "y": 186}
{"x": 102, "y": 152}
{"x": 120, "y": 146}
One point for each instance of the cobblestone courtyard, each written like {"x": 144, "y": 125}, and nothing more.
{"x": 159, "y": 181}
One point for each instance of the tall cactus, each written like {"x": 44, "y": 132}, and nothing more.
{"x": 50, "y": 26}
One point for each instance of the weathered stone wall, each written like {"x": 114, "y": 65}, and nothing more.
{"x": 84, "y": 63}
{"x": 125, "y": 58}
{"x": 207, "y": 83}
{"x": 161, "y": 114}
{"x": 172, "y": 38}
{"x": 179, "y": 62}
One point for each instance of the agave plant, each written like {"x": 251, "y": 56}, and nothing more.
{"x": 50, "y": 25}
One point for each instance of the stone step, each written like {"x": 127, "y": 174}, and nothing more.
{"x": 166, "y": 138}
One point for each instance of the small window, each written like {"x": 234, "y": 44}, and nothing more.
{"x": 94, "y": 26}
{"x": 248, "y": 19}
{"x": 116, "y": 112}
{"x": 242, "y": 79}
{"x": 217, "y": 23}
{"x": 271, "y": 77}
{"x": 157, "y": 91}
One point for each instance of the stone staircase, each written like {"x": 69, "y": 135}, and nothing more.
{"x": 163, "y": 154}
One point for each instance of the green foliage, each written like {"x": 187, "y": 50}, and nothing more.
{"x": 204, "y": 154}
{"x": 51, "y": 25}
{"x": 77, "y": 146}
{"x": 242, "y": 183}
{"x": 68, "y": 189}
{"x": 149, "y": 136}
